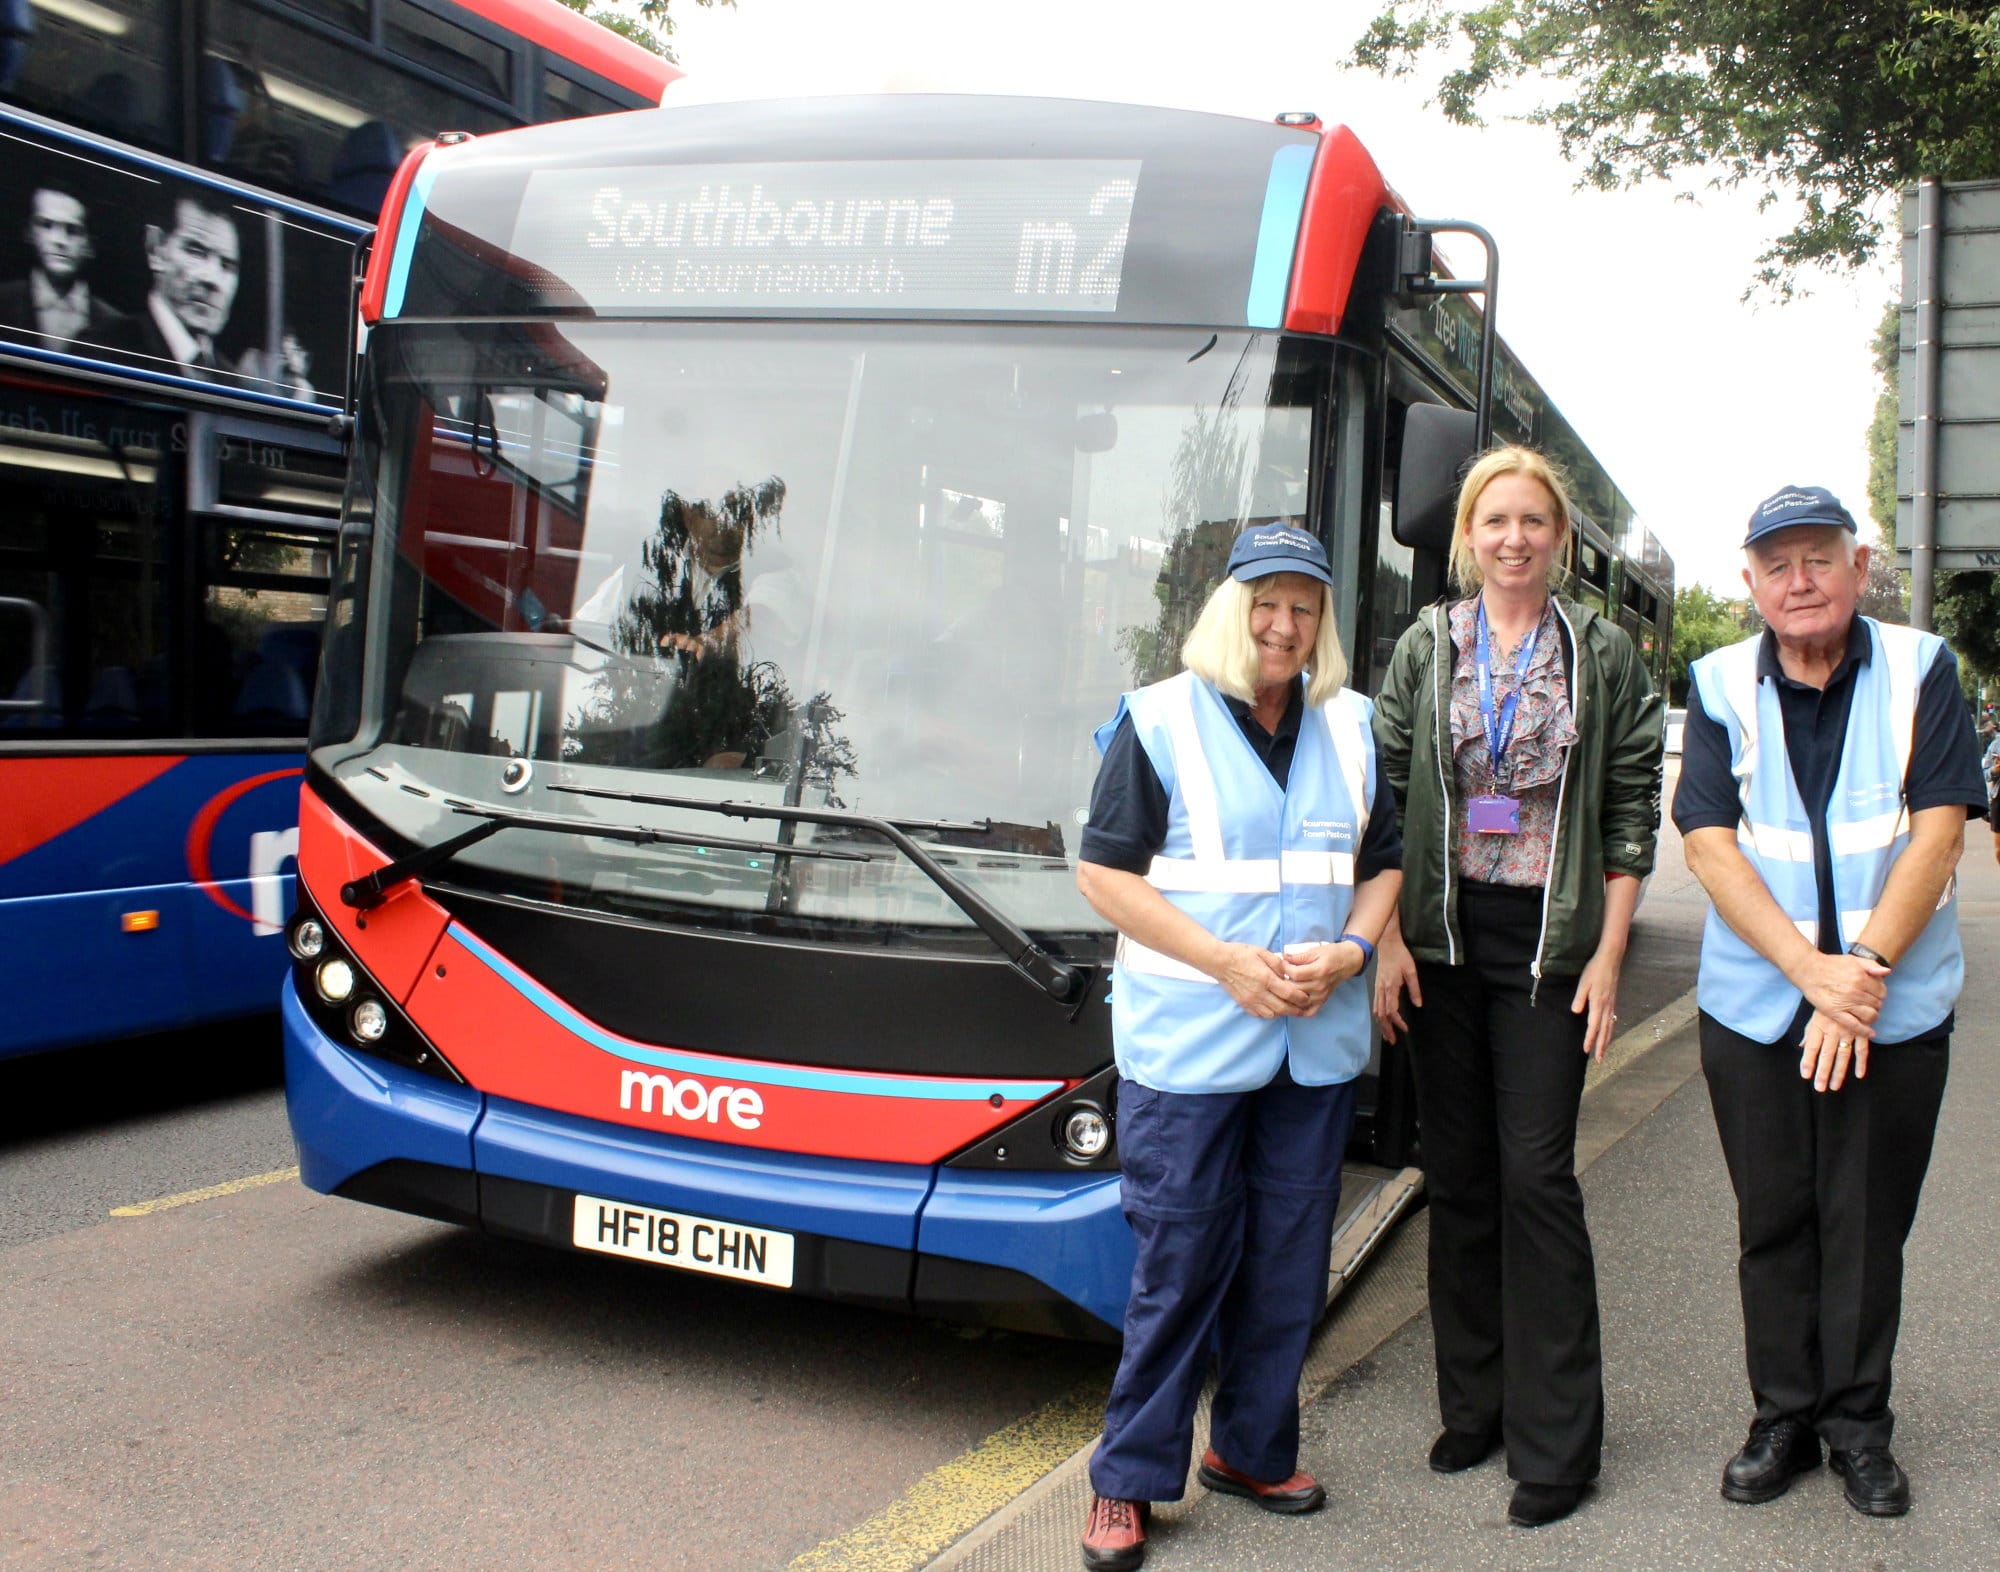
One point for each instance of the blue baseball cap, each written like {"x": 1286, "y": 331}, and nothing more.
{"x": 1798, "y": 505}
{"x": 1264, "y": 549}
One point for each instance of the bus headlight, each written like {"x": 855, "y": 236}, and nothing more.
{"x": 1085, "y": 1132}
{"x": 369, "y": 1021}
{"x": 308, "y": 939}
{"x": 334, "y": 979}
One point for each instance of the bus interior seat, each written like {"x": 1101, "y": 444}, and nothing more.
{"x": 367, "y": 161}
{"x": 273, "y": 697}
{"x": 38, "y": 687}
{"x": 294, "y": 643}
{"x": 17, "y": 34}
{"x": 277, "y": 693}
{"x": 114, "y": 698}
{"x": 222, "y": 102}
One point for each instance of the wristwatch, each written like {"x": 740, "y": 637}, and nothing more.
{"x": 1867, "y": 954}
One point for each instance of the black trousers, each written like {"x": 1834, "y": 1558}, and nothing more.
{"x": 1513, "y": 1284}
{"x": 1826, "y": 1191}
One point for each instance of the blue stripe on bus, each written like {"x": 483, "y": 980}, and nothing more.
{"x": 861, "y": 1083}
{"x": 1278, "y": 235}
{"x": 167, "y": 379}
{"x": 408, "y": 222}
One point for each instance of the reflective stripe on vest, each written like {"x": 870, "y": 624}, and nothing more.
{"x": 1868, "y": 826}
{"x": 1252, "y": 863}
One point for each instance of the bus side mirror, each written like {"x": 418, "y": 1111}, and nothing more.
{"x": 1438, "y": 442}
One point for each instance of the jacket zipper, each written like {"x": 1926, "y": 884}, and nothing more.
{"x": 1562, "y": 790}
{"x": 1441, "y": 701}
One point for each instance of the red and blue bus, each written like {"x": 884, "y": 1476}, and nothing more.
{"x": 185, "y": 196}
{"x": 753, "y": 510}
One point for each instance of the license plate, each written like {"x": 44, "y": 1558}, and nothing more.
{"x": 694, "y": 1244}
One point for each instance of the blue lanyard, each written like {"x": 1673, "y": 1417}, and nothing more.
{"x": 1500, "y": 722}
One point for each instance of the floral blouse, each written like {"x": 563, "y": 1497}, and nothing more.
{"x": 1544, "y": 729}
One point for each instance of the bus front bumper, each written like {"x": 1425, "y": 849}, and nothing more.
{"x": 1038, "y": 1252}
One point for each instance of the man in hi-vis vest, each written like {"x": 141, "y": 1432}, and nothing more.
{"x": 1828, "y": 767}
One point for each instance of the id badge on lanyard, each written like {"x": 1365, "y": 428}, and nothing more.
{"x": 1495, "y": 813}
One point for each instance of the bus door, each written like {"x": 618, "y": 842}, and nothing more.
{"x": 263, "y": 503}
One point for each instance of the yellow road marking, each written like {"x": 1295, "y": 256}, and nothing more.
{"x": 958, "y": 1495}
{"x": 207, "y": 1193}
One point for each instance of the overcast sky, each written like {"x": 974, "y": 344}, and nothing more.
{"x": 1625, "y": 306}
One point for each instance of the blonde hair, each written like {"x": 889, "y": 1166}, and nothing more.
{"x": 1491, "y": 466}
{"x": 1219, "y": 648}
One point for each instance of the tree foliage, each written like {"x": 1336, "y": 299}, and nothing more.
{"x": 1703, "y": 621}
{"x": 1967, "y": 613}
{"x": 1882, "y": 430}
{"x": 648, "y": 23}
{"x": 1835, "y": 103}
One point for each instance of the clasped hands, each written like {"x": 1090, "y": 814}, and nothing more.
{"x": 1846, "y": 993}
{"x": 1269, "y": 985}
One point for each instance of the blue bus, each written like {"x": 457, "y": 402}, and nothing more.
{"x": 186, "y": 195}
{"x": 753, "y": 511}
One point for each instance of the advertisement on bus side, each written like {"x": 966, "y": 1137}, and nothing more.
{"x": 108, "y": 257}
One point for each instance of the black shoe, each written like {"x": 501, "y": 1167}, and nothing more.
{"x": 1875, "y": 1484}
{"x": 1454, "y": 1451}
{"x": 1534, "y": 1506}
{"x": 1778, "y": 1451}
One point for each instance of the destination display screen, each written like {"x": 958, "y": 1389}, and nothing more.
{"x": 947, "y": 207}
{"x": 966, "y": 236}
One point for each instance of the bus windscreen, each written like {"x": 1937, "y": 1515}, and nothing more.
{"x": 894, "y": 570}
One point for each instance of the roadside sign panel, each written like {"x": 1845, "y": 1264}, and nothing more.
{"x": 1968, "y": 383}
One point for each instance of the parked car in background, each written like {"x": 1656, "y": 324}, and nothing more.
{"x": 1675, "y": 720}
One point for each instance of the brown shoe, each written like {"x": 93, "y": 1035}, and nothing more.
{"x": 1300, "y": 1493}
{"x": 1114, "y": 1540}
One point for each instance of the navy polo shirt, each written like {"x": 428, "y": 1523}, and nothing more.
{"x": 1943, "y": 769}
{"x": 1128, "y": 803}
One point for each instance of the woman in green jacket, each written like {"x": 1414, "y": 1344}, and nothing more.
{"x": 1522, "y": 738}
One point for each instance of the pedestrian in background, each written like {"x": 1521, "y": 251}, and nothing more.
{"x": 1522, "y": 738}
{"x": 1827, "y": 771}
{"x": 1242, "y": 843}
{"x": 1993, "y": 823}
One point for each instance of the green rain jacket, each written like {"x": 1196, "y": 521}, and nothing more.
{"x": 1607, "y": 807}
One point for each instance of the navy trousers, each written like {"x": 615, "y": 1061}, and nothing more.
{"x": 1231, "y": 1197}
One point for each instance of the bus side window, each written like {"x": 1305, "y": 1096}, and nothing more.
{"x": 98, "y": 66}
{"x": 263, "y": 601}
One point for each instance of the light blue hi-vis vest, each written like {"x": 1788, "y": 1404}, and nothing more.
{"x": 1868, "y": 825}
{"x": 1253, "y": 863}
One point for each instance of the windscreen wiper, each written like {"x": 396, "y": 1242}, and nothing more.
{"x": 1060, "y": 981}
{"x": 372, "y": 889}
